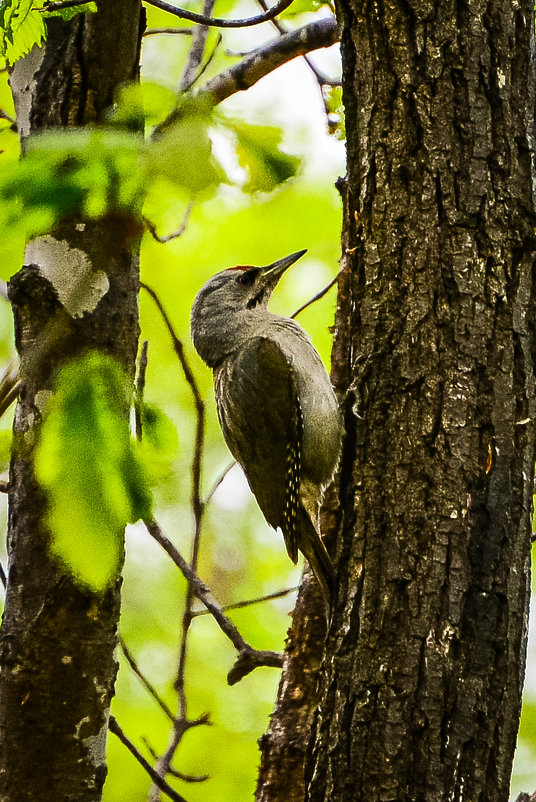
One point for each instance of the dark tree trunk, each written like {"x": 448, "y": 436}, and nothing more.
{"x": 434, "y": 353}
{"x": 58, "y": 667}
{"x": 284, "y": 746}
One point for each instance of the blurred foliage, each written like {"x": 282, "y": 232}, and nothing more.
{"x": 86, "y": 462}
{"x": 89, "y": 172}
{"x": 335, "y": 109}
{"x": 259, "y": 153}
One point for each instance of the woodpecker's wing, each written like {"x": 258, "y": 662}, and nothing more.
{"x": 260, "y": 416}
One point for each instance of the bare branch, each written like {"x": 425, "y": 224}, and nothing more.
{"x": 10, "y": 387}
{"x": 197, "y": 50}
{"x": 171, "y": 31}
{"x": 181, "y": 721}
{"x": 278, "y": 594}
{"x": 321, "y": 79}
{"x": 218, "y": 482}
{"x": 241, "y": 76}
{"x": 187, "y": 778}
{"x": 3, "y": 578}
{"x": 200, "y": 589}
{"x": 178, "y": 348}
{"x": 247, "y": 655}
{"x": 207, "y": 61}
{"x": 135, "y": 668}
{"x": 162, "y": 784}
{"x": 216, "y": 22}
{"x": 249, "y": 661}
{"x": 151, "y": 228}
{"x": 4, "y": 116}
{"x": 316, "y": 297}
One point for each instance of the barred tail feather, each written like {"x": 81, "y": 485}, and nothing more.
{"x": 311, "y": 545}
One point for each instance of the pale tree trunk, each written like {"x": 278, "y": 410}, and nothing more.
{"x": 58, "y": 666}
{"x": 422, "y": 671}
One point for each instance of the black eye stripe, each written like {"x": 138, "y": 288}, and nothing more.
{"x": 257, "y": 299}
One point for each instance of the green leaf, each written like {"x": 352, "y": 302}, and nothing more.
{"x": 22, "y": 24}
{"x": 68, "y": 13}
{"x": 85, "y": 462}
{"x": 183, "y": 154}
{"x": 259, "y": 153}
{"x": 159, "y": 431}
{"x": 21, "y": 27}
{"x": 298, "y": 7}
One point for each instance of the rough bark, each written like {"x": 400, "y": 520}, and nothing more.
{"x": 424, "y": 665}
{"x": 58, "y": 667}
{"x": 284, "y": 746}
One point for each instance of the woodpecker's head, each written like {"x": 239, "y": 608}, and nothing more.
{"x": 228, "y": 306}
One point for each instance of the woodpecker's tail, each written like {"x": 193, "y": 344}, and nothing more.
{"x": 312, "y": 547}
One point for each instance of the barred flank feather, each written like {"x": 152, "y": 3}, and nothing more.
{"x": 292, "y": 491}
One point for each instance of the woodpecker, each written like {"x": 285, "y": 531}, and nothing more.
{"x": 276, "y": 406}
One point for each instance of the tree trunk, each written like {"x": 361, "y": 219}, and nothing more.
{"x": 284, "y": 746}
{"x": 58, "y": 667}
{"x": 434, "y": 353}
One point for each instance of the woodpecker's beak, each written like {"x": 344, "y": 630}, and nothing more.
{"x": 271, "y": 274}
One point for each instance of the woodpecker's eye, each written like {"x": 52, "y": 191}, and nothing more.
{"x": 247, "y": 277}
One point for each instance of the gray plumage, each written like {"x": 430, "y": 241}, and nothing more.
{"x": 276, "y": 405}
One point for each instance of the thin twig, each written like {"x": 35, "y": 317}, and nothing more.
{"x": 205, "y": 597}
{"x": 3, "y": 578}
{"x": 198, "y": 507}
{"x": 217, "y": 22}
{"x": 187, "y": 778}
{"x": 171, "y": 31}
{"x": 140, "y": 387}
{"x": 249, "y": 602}
{"x": 162, "y": 784}
{"x": 148, "y": 686}
{"x": 10, "y": 387}
{"x": 5, "y": 487}
{"x": 151, "y": 228}
{"x": 4, "y": 116}
{"x": 197, "y": 50}
{"x": 202, "y": 69}
{"x": 316, "y": 297}
{"x": 177, "y": 347}
{"x": 218, "y": 482}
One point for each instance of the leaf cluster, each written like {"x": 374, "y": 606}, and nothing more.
{"x": 88, "y": 465}
{"x": 93, "y": 171}
{"x": 23, "y": 24}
